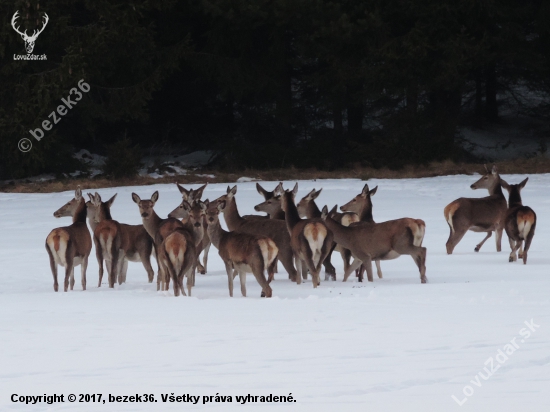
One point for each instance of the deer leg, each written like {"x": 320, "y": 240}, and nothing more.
{"x": 378, "y": 269}
{"x": 242, "y": 279}
{"x": 260, "y": 277}
{"x": 520, "y": 252}
{"x": 454, "y": 238}
{"x": 53, "y": 267}
{"x": 478, "y": 247}
{"x": 498, "y": 238}
{"x": 146, "y": 262}
{"x": 99, "y": 256}
{"x": 72, "y": 278}
{"x": 419, "y": 256}
{"x": 513, "y": 256}
{"x": 83, "y": 267}
{"x": 298, "y": 269}
{"x": 68, "y": 272}
{"x": 286, "y": 257}
{"x": 528, "y": 241}
{"x": 124, "y": 267}
{"x": 329, "y": 268}
{"x": 229, "y": 270}
{"x": 354, "y": 265}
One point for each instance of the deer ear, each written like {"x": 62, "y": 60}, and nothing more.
{"x": 97, "y": 197}
{"x": 90, "y": 196}
{"x": 487, "y": 170}
{"x": 199, "y": 192}
{"x": 221, "y": 206}
{"x": 186, "y": 205}
{"x": 494, "y": 170}
{"x": 504, "y": 184}
{"x": 233, "y": 191}
{"x": 78, "y": 193}
{"x": 365, "y": 190}
{"x": 279, "y": 189}
{"x": 204, "y": 205}
{"x": 182, "y": 190}
{"x": 295, "y": 190}
{"x": 316, "y": 194}
{"x": 261, "y": 190}
{"x": 155, "y": 197}
{"x": 324, "y": 212}
{"x": 310, "y": 194}
{"x": 333, "y": 210}
{"x": 523, "y": 183}
{"x": 373, "y": 191}
{"x": 111, "y": 200}
{"x": 136, "y": 198}
{"x": 228, "y": 189}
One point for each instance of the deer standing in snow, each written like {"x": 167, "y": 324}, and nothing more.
{"x": 484, "y": 214}
{"x": 520, "y": 222}
{"x": 311, "y": 239}
{"x": 242, "y": 253}
{"x": 70, "y": 246}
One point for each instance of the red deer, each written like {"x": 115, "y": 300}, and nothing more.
{"x": 272, "y": 228}
{"x": 268, "y": 195}
{"x": 380, "y": 241}
{"x": 136, "y": 244}
{"x": 484, "y": 214}
{"x": 307, "y": 208}
{"x": 311, "y": 240}
{"x": 70, "y": 246}
{"x": 520, "y": 222}
{"x": 242, "y": 253}
{"x": 190, "y": 196}
{"x": 362, "y": 206}
{"x": 174, "y": 244}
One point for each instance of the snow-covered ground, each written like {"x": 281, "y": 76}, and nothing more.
{"x": 391, "y": 345}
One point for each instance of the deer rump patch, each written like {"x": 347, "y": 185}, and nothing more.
{"x": 525, "y": 220}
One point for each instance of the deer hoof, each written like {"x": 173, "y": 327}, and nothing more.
{"x": 424, "y": 280}
{"x": 476, "y": 249}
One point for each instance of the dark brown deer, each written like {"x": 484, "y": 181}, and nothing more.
{"x": 484, "y": 214}
{"x": 380, "y": 241}
{"x": 520, "y": 222}
{"x": 310, "y": 239}
{"x": 136, "y": 246}
{"x": 274, "y": 229}
{"x": 70, "y": 246}
{"x": 242, "y": 253}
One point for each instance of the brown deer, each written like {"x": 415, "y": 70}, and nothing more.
{"x": 307, "y": 208}
{"x": 242, "y": 253}
{"x": 173, "y": 255}
{"x": 520, "y": 222}
{"x": 484, "y": 214}
{"x": 268, "y": 195}
{"x": 70, "y": 246}
{"x": 136, "y": 244}
{"x": 380, "y": 241}
{"x": 361, "y": 205}
{"x": 192, "y": 196}
{"x": 272, "y": 228}
{"x": 311, "y": 240}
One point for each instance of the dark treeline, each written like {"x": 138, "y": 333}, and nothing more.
{"x": 269, "y": 83}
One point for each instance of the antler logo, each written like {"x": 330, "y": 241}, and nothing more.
{"x": 29, "y": 40}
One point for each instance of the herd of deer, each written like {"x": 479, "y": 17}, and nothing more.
{"x": 301, "y": 236}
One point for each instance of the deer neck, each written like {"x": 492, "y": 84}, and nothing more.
{"x": 366, "y": 213}
{"x": 215, "y": 232}
{"x": 496, "y": 189}
{"x": 340, "y": 232}
{"x": 231, "y": 214}
{"x": 514, "y": 199}
{"x": 152, "y": 224}
{"x": 80, "y": 213}
{"x": 312, "y": 211}
{"x": 104, "y": 213}
{"x": 279, "y": 215}
{"x": 292, "y": 216}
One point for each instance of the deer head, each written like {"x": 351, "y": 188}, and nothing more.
{"x": 29, "y": 40}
